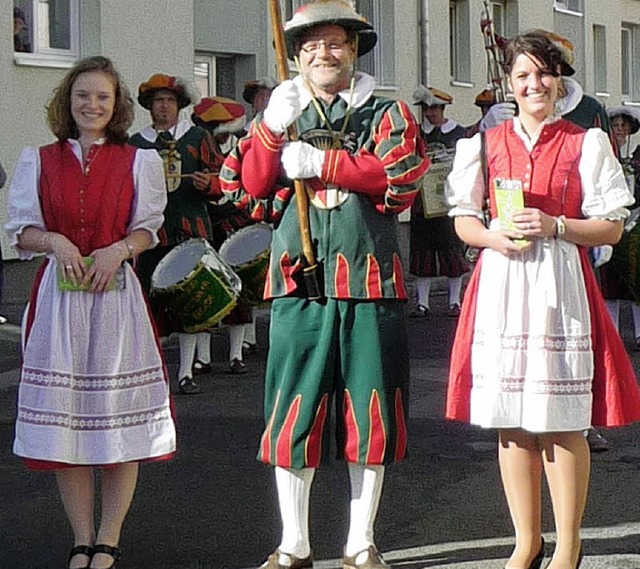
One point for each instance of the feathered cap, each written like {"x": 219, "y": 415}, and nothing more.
{"x": 566, "y": 52}
{"x": 219, "y": 115}
{"x": 165, "y": 82}
{"x": 324, "y": 12}
{"x": 485, "y": 98}
{"x": 630, "y": 113}
{"x": 431, "y": 97}
{"x": 251, "y": 87}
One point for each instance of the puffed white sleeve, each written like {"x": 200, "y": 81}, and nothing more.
{"x": 605, "y": 194}
{"x": 150, "y": 193}
{"x": 23, "y": 199}
{"x": 464, "y": 189}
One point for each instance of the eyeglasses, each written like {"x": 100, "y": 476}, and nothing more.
{"x": 334, "y": 46}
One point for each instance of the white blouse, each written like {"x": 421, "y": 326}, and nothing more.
{"x": 604, "y": 190}
{"x": 24, "y": 210}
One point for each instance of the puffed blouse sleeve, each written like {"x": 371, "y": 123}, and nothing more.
{"x": 605, "y": 194}
{"x": 465, "y": 184}
{"x": 23, "y": 199}
{"x": 151, "y": 194}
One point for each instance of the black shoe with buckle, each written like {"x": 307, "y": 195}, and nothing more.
{"x": 237, "y": 367}
{"x": 200, "y": 368}
{"x": 187, "y": 386}
{"x": 113, "y": 551}
{"x": 81, "y": 550}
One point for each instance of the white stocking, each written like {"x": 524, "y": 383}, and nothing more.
{"x": 613, "y": 306}
{"x": 423, "y": 286}
{"x": 366, "y": 489}
{"x": 187, "y": 353}
{"x": 455, "y": 286}
{"x": 635, "y": 311}
{"x": 250, "y": 329}
{"x": 203, "y": 347}
{"x": 236, "y": 335}
{"x": 294, "y": 488}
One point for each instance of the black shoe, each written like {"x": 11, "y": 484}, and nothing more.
{"x": 248, "y": 348}
{"x": 597, "y": 443}
{"x": 420, "y": 311}
{"x": 187, "y": 386}
{"x": 538, "y": 559}
{"x": 200, "y": 368}
{"x": 81, "y": 550}
{"x": 114, "y": 551}
{"x": 237, "y": 367}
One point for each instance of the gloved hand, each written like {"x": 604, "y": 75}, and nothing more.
{"x": 497, "y": 114}
{"x": 300, "y": 160}
{"x": 283, "y": 108}
{"x": 601, "y": 255}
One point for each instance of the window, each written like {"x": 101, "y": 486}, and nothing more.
{"x": 290, "y": 6}
{"x": 569, "y": 5}
{"x": 48, "y": 34}
{"x": 600, "y": 58}
{"x": 499, "y": 18}
{"x": 629, "y": 62}
{"x": 380, "y": 61}
{"x": 215, "y": 75}
{"x": 459, "y": 46}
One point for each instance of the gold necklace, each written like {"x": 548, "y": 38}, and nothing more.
{"x": 91, "y": 156}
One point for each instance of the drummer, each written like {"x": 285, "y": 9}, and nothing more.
{"x": 223, "y": 118}
{"x": 189, "y": 157}
{"x": 435, "y": 249}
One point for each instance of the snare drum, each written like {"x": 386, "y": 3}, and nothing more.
{"x": 196, "y": 283}
{"x": 247, "y": 251}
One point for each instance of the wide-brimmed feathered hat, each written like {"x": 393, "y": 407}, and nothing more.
{"x": 485, "y": 98}
{"x": 162, "y": 81}
{"x": 630, "y": 113}
{"x": 431, "y": 97}
{"x": 566, "y": 52}
{"x": 219, "y": 115}
{"x": 326, "y": 12}
{"x": 251, "y": 87}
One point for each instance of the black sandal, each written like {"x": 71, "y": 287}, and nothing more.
{"x": 114, "y": 551}
{"x": 81, "y": 550}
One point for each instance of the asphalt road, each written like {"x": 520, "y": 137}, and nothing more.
{"x": 214, "y": 505}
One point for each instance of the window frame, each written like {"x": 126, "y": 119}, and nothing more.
{"x": 42, "y": 56}
{"x": 600, "y": 76}
{"x": 460, "y": 58}
{"x": 563, "y": 6}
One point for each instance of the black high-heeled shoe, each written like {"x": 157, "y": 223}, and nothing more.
{"x": 538, "y": 559}
{"x": 580, "y": 557}
{"x": 81, "y": 550}
{"x": 114, "y": 551}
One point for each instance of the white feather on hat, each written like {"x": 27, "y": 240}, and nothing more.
{"x": 424, "y": 96}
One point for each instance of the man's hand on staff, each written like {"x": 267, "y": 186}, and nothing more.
{"x": 284, "y": 107}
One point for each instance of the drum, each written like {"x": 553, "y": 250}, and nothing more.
{"x": 197, "y": 285}
{"x": 432, "y": 191}
{"x": 247, "y": 252}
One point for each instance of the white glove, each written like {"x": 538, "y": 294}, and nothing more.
{"x": 497, "y": 114}
{"x": 300, "y": 160}
{"x": 601, "y": 255}
{"x": 283, "y": 108}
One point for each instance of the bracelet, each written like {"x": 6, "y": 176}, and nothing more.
{"x": 131, "y": 251}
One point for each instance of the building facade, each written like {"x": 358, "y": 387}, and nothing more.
{"x": 219, "y": 45}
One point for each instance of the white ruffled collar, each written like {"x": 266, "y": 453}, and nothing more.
{"x": 573, "y": 97}
{"x": 446, "y": 127}
{"x": 364, "y": 87}
{"x": 151, "y": 134}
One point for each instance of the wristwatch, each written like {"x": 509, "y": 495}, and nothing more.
{"x": 561, "y": 227}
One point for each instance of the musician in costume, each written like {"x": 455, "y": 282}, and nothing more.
{"x": 189, "y": 157}
{"x": 435, "y": 249}
{"x": 93, "y": 391}
{"x": 257, "y": 93}
{"x": 535, "y": 354}
{"x": 223, "y": 118}
{"x": 623, "y": 270}
{"x": 362, "y": 159}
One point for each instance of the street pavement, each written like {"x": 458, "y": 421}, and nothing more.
{"x": 214, "y": 505}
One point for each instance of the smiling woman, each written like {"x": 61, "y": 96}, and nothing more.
{"x": 90, "y": 202}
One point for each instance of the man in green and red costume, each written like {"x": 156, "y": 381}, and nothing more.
{"x": 189, "y": 157}
{"x": 362, "y": 159}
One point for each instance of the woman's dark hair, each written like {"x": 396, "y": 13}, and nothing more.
{"x": 59, "y": 115}
{"x": 536, "y": 44}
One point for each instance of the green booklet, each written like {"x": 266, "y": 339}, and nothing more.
{"x": 509, "y": 198}
{"x": 117, "y": 283}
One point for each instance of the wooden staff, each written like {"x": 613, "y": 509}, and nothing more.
{"x": 310, "y": 270}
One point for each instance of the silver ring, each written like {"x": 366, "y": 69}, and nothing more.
{"x": 529, "y": 225}
{"x": 68, "y": 267}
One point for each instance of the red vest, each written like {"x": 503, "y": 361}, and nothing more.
{"x": 549, "y": 174}
{"x": 93, "y": 209}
